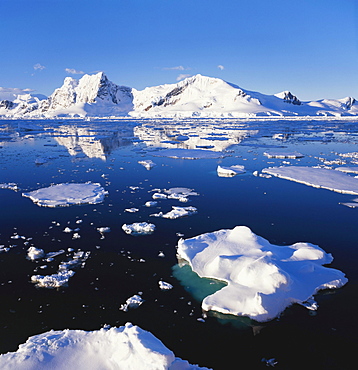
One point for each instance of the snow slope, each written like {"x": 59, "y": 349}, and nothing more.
{"x": 196, "y": 96}
{"x": 127, "y": 347}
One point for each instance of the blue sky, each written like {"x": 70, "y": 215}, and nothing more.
{"x": 309, "y": 47}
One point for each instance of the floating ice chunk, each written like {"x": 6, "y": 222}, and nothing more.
{"x": 127, "y": 347}
{"x": 180, "y": 194}
{"x": 347, "y": 169}
{"x": 177, "y": 212}
{"x": 188, "y": 154}
{"x": 132, "y": 302}
{"x": 272, "y": 154}
{"x": 9, "y": 185}
{"x": 79, "y": 259}
{"x": 165, "y": 286}
{"x": 67, "y": 230}
{"x": 148, "y": 164}
{"x": 76, "y": 236}
{"x": 159, "y": 196}
{"x": 131, "y": 210}
{"x": 67, "y": 194}
{"x": 139, "y": 228}
{"x": 34, "y": 253}
{"x": 230, "y": 171}
{"x": 53, "y": 281}
{"x": 317, "y": 177}
{"x": 41, "y": 160}
{"x": 150, "y": 204}
{"x": 103, "y": 229}
{"x": 262, "y": 279}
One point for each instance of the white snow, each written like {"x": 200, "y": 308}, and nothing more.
{"x": 230, "y": 171}
{"x": 139, "y": 228}
{"x": 177, "y": 212}
{"x": 148, "y": 164}
{"x": 132, "y": 302}
{"x": 262, "y": 279}
{"x": 127, "y": 347}
{"x": 273, "y": 154}
{"x": 67, "y": 194}
{"x": 317, "y": 177}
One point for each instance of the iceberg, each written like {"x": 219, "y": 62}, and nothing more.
{"x": 127, "y": 347}
{"x": 230, "y": 171}
{"x": 139, "y": 228}
{"x": 67, "y": 194}
{"x": 132, "y": 302}
{"x": 262, "y": 279}
{"x": 317, "y": 177}
{"x": 34, "y": 253}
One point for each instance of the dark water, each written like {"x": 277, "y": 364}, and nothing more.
{"x": 122, "y": 265}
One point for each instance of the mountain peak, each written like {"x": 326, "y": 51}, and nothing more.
{"x": 288, "y": 97}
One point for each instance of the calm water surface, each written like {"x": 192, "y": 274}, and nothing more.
{"x": 122, "y": 265}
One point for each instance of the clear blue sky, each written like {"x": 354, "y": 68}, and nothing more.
{"x": 309, "y": 47}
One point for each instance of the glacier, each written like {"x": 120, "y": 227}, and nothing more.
{"x": 196, "y": 96}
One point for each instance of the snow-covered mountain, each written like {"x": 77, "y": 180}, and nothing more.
{"x": 196, "y": 96}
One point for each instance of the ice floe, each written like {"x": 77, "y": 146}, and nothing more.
{"x": 9, "y": 185}
{"x": 148, "y": 164}
{"x": 150, "y": 203}
{"x": 132, "y": 302}
{"x": 262, "y": 279}
{"x": 176, "y": 212}
{"x": 67, "y": 194}
{"x": 279, "y": 154}
{"x": 230, "y": 171}
{"x": 139, "y": 228}
{"x": 127, "y": 347}
{"x": 348, "y": 169}
{"x": 52, "y": 281}
{"x": 317, "y": 177}
{"x": 34, "y": 253}
{"x": 164, "y": 285}
{"x": 131, "y": 210}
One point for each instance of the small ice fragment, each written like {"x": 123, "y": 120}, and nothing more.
{"x": 41, "y": 160}
{"x": 161, "y": 254}
{"x": 131, "y": 210}
{"x": 139, "y": 228}
{"x": 103, "y": 229}
{"x": 76, "y": 236}
{"x": 132, "y": 302}
{"x": 79, "y": 221}
{"x": 9, "y": 185}
{"x": 159, "y": 196}
{"x": 165, "y": 286}
{"x": 271, "y": 154}
{"x": 270, "y": 362}
{"x": 177, "y": 212}
{"x": 150, "y": 203}
{"x": 148, "y": 164}
{"x": 34, "y": 253}
{"x": 67, "y": 230}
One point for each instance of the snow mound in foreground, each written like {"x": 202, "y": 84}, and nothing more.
{"x": 317, "y": 177}
{"x": 262, "y": 279}
{"x": 62, "y": 195}
{"x": 127, "y": 347}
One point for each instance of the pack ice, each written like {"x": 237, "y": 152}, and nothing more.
{"x": 317, "y": 177}
{"x": 127, "y": 347}
{"x": 262, "y": 279}
{"x": 62, "y": 195}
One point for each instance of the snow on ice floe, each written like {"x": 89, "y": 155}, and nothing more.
{"x": 176, "y": 212}
{"x": 230, "y": 171}
{"x": 317, "y": 177}
{"x": 180, "y": 153}
{"x": 262, "y": 279}
{"x": 139, "y": 228}
{"x": 279, "y": 154}
{"x": 148, "y": 164}
{"x": 67, "y": 194}
{"x": 127, "y": 347}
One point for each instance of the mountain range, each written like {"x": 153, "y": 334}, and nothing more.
{"x": 196, "y": 96}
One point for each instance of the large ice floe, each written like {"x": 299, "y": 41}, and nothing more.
{"x": 67, "y": 194}
{"x": 262, "y": 279}
{"x": 127, "y": 347}
{"x": 317, "y": 177}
